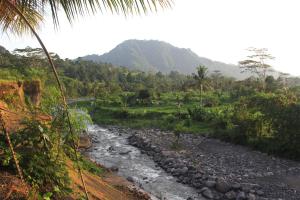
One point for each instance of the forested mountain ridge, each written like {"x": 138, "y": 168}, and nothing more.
{"x": 152, "y": 55}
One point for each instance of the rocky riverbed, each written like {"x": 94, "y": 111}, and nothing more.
{"x": 220, "y": 170}
{"x": 204, "y": 168}
{"x": 111, "y": 149}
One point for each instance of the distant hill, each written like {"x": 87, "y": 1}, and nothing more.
{"x": 152, "y": 55}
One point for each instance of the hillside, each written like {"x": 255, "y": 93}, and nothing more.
{"x": 152, "y": 55}
{"x": 14, "y": 110}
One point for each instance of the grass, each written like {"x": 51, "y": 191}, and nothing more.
{"x": 91, "y": 167}
{"x": 155, "y": 116}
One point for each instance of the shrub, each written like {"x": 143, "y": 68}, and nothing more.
{"x": 43, "y": 149}
{"x": 42, "y": 158}
{"x": 270, "y": 122}
{"x": 199, "y": 113}
{"x": 211, "y": 101}
{"x": 122, "y": 113}
{"x": 222, "y": 117}
{"x": 187, "y": 97}
{"x": 178, "y": 130}
{"x": 144, "y": 97}
{"x": 170, "y": 118}
{"x": 287, "y": 133}
{"x": 181, "y": 115}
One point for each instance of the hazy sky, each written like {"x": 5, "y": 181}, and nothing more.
{"x": 216, "y": 29}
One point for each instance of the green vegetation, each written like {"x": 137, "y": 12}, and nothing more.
{"x": 230, "y": 109}
{"x": 83, "y": 78}
{"x": 259, "y": 112}
{"x": 265, "y": 121}
{"x": 43, "y": 149}
{"x": 164, "y": 112}
{"x": 90, "y": 166}
{"x": 45, "y": 146}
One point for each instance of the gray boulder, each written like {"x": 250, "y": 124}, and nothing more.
{"x": 222, "y": 185}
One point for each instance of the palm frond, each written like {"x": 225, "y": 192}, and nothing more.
{"x": 75, "y": 8}
{"x": 11, "y": 21}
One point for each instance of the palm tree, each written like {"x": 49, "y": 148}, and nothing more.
{"x": 21, "y": 16}
{"x": 200, "y": 77}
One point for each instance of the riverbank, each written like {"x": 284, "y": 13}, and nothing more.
{"x": 218, "y": 170}
{"x": 101, "y": 183}
{"x": 107, "y": 186}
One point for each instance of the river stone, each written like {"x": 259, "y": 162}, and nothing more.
{"x": 222, "y": 185}
{"x": 114, "y": 168}
{"x": 251, "y": 197}
{"x": 125, "y": 152}
{"x": 210, "y": 184}
{"x": 155, "y": 149}
{"x": 207, "y": 193}
{"x": 198, "y": 176}
{"x": 252, "y": 191}
{"x": 191, "y": 168}
{"x": 197, "y": 184}
{"x": 230, "y": 195}
{"x": 236, "y": 186}
{"x": 241, "y": 196}
{"x": 183, "y": 171}
{"x": 130, "y": 179}
{"x": 260, "y": 192}
{"x": 247, "y": 187}
{"x": 111, "y": 148}
{"x": 168, "y": 161}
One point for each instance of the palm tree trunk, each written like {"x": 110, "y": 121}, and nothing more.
{"x": 201, "y": 92}
{"x": 11, "y": 148}
{"x": 11, "y": 5}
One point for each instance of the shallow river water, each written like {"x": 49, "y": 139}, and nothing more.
{"x": 111, "y": 149}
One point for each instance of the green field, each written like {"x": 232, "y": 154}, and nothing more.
{"x": 168, "y": 113}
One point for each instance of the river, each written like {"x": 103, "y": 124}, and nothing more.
{"x": 111, "y": 149}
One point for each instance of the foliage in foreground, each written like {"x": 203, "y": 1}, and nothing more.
{"x": 45, "y": 147}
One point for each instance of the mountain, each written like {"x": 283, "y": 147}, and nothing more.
{"x": 152, "y": 55}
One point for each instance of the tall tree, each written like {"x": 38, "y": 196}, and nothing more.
{"x": 201, "y": 77}
{"x": 257, "y": 63}
{"x": 216, "y": 77}
{"x": 283, "y": 77}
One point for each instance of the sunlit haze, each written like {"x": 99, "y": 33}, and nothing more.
{"x": 217, "y": 29}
